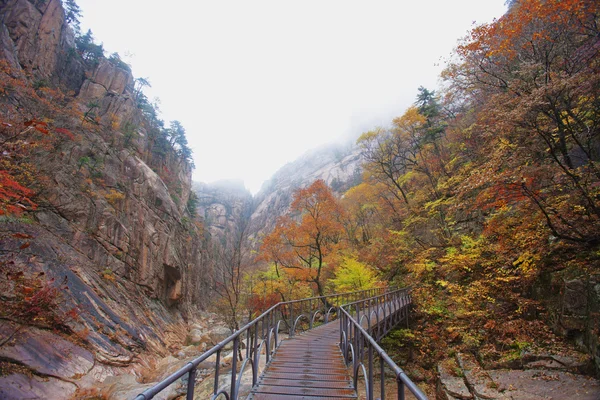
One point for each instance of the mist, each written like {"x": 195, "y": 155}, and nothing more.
{"x": 257, "y": 84}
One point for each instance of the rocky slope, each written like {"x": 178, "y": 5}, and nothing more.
{"x": 223, "y": 204}
{"x": 109, "y": 267}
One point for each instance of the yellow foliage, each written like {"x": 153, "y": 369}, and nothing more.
{"x": 114, "y": 196}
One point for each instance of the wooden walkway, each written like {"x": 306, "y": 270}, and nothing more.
{"x": 308, "y": 366}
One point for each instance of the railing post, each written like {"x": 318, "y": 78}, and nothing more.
{"x": 256, "y": 357}
{"x": 217, "y": 365}
{"x": 233, "y": 391}
{"x": 408, "y": 302}
{"x": 310, "y": 313}
{"x": 248, "y": 342}
{"x": 341, "y": 318}
{"x": 370, "y": 394}
{"x": 191, "y": 384}
{"x": 400, "y": 389}
{"x": 382, "y": 377}
{"x": 291, "y": 319}
{"x": 267, "y": 339}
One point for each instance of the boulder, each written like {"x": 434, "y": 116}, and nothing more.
{"x": 449, "y": 385}
{"x": 477, "y": 379}
{"x": 218, "y": 333}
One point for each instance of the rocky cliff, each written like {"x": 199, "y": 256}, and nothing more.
{"x": 109, "y": 265}
{"x": 222, "y": 205}
{"x": 339, "y": 165}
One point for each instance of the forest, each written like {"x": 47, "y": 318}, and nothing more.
{"x": 483, "y": 196}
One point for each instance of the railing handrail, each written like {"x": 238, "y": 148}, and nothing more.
{"x": 390, "y": 292}
{"x": 399, "y": 373}
{"x": 190, "y": 367}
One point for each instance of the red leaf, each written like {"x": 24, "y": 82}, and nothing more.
{"x": 41, "y": 129}
{"x": 25, "y": 245}
{"x": 65, "y": 132}
{"x": 22, "y": 236}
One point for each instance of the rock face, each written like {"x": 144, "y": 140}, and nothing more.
{"x": 574, "y": 302}
{"x": 110, "y": 265}
{"x": 464, "y": 378}
{"x": 44, "y": 351}
{"x": 338, "y": 165}
{"x": 40, "y": 41}
{"x": 222, "y": 205}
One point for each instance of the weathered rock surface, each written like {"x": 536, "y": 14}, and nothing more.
{"x": 449, "y": 385}
{"x": 543, "y": 384}
{"x": 338, "y": 165}
{"x": 466, "y": 379}
{"x": 574, "y": 303}
{"x": 44, "y": 351}
{"x": 224, "y": 204}
{"x": 25, "y": 387}
{"x": 40, "y": 41}
{"x": 126, "y": 387}
{"x": 111, "y": 245}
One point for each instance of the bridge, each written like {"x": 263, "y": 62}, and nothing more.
{"x": 316, "y": 348}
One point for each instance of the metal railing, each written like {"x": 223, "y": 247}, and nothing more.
{"x": 259, "y": 336}
{"x": 362, "y": 324}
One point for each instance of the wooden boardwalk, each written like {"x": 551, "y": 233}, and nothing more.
{"x": 308, "y": 366}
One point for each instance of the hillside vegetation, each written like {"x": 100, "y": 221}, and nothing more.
{"x": 484, "y": 196}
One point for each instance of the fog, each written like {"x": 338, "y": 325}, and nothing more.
{"x": 258, "y": 83}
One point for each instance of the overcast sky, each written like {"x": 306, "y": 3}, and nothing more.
{"x": 258, "y": 83}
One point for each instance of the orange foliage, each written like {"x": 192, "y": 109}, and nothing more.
{"x": 14, "y": 198}
{"x": 306, "y": 247}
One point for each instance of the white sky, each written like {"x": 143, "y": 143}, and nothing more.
{"x": 257, "y": 83}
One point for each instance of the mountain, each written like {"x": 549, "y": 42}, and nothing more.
{"x": 337, "y": 164}
{"x": 222, "y": 205}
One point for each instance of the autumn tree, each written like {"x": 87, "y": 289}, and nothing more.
{"x": 353, "y": 275}
{"x": 536, "y": 77}
{"x": 139, "y": 85}
{"x": 175, "y": 138}
{"x": 306, "y": 245}
{"x": 32, "y": 123}
{"x": 232, "y": 261}
{"x": 409, "y": 161}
